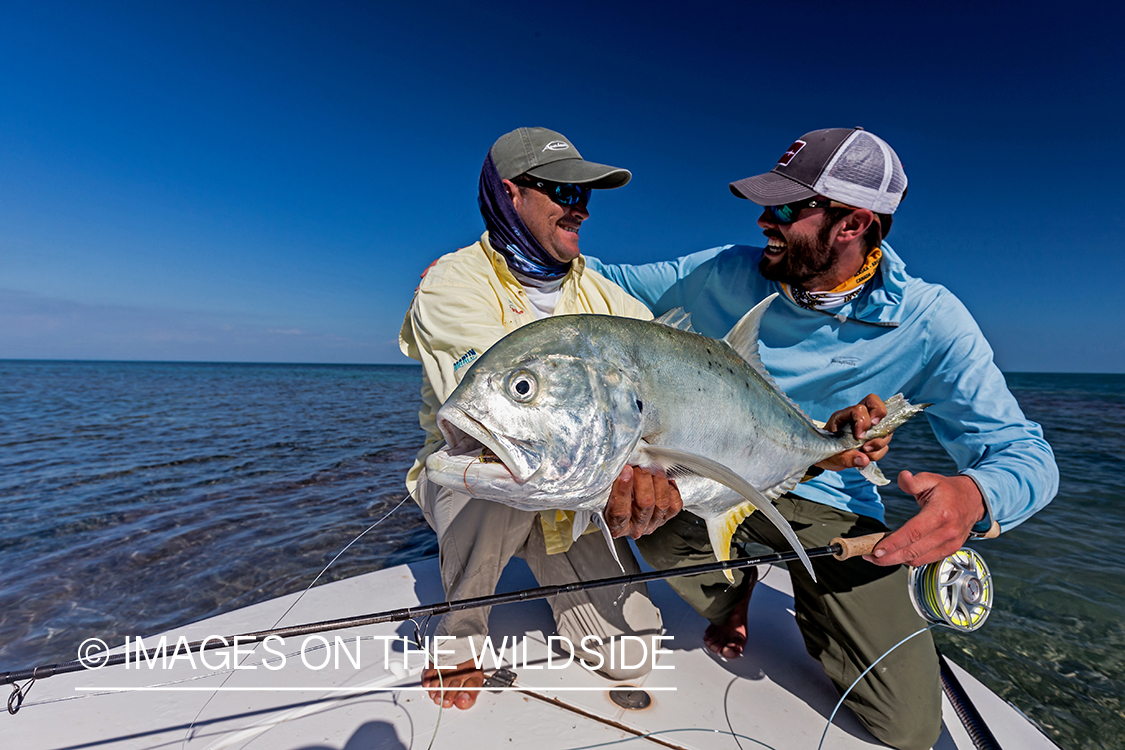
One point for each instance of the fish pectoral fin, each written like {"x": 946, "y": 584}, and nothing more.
{"x": 648, "y": 455}
{"x": 721, "y": 530}
{"x": 601, "y": 523}
{"x": 872, "y": 474}
{"x": 716, "y": 472}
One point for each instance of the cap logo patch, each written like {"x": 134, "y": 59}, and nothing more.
{"x": 556, "y": 146}
{"x": 788, "y": 155}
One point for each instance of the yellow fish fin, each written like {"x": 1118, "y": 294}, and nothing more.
{"x": 721, "y": 530}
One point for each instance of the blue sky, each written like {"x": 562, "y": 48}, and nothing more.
{"x": 265, "y": 182}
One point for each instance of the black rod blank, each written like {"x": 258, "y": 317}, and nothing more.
{"x": 408, "y": 613}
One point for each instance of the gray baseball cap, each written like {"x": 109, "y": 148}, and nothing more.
{"x": 848, "y": 165}
{"x": 550, "y": 156}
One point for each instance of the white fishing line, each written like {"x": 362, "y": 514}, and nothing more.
{"x": 659, "y": 732}
{"x": 864, "y": 674}
{"x": 232, "y": 670}
{"x": 191, "y": 726}
{"x": 835, "y": 710}
{"x": 337, "y": 557}
{"x": 738, "y": 736}
{"x": 95, "y": 692}
{"x": 419, "y": 629}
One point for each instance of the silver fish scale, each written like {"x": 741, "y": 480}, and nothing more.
{"x": 695, "y": 393}
{"x": 702, "y": 396}
{"x": 608, "y": 391}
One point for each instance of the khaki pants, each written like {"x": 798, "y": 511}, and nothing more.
{"x": 853, "y": 614}
{"x": 476, "y": 538}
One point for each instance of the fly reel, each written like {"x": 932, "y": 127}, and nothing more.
{"x": 955, "y": 592}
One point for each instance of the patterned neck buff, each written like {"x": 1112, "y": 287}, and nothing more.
{"x": 507, "y": 233}
{"x": 842, "y": 294}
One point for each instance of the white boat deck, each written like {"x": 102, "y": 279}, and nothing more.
{"x": 775, "y": 696}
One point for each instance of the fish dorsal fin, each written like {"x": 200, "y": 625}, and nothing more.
{"x": 721, "y": 530}
{"x": 676, "y": 318}
{"x": 666, "y": 458}
{"x": 743, "y": 338}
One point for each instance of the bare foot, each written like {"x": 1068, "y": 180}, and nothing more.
{"x": 728, "y": 639}
{"x": 447, "y": 692}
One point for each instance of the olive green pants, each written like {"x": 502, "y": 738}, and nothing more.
{"x": 852, "y": 615}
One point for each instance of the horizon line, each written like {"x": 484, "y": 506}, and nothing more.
{"x": 377, "y": 364}
{"x": 72, "y": 360}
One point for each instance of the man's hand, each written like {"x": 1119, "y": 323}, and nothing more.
{"x": 448, "y": 685}
{"x": 950, "y": 506}
{"x": 640, "y": 502}
{"x": 863, "y": 416}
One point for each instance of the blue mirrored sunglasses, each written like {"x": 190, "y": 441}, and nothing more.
{"x": 787, "y": 214}
{"x": 563, "y": 193}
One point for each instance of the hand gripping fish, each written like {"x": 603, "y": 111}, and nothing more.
{"x": 547, "y": 418}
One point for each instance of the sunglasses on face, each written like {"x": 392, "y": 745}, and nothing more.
{"x": 563, "y": 193}
{"x": 787, "y": 213}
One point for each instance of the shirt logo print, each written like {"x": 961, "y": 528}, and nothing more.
{"x": 465, "y": 359}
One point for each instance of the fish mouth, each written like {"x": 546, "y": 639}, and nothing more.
{"x": 469, "y": 442}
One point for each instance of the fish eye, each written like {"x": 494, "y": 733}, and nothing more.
{"x": 522, "y": 385}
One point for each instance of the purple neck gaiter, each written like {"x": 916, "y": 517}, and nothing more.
{"x": 507, "y": 233}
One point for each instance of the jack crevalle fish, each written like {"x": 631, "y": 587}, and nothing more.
{"x": 548, "y": 417}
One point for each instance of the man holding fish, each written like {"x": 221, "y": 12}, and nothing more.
{"x": 533, "y": 194}
{"x": 851, "y": 321}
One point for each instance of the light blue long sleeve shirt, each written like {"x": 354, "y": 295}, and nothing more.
{"x": 901, "y": 334}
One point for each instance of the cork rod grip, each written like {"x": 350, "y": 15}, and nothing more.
{"x": 857, "y": 546}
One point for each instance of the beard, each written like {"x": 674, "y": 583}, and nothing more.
{"x": 804, "y": 260}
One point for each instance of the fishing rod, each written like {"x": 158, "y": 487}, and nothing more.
{"x": 955, "y": 592}
{"x": 840, "y": 548}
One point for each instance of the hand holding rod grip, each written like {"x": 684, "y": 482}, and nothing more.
{"x": 856, "y": 546}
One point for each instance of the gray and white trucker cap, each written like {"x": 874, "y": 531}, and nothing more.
{"x": 850, "y": 166}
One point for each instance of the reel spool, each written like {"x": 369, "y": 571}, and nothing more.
{"x": 955, "y": 592}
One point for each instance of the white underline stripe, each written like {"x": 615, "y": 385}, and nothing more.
{"x": 353, "y": 689}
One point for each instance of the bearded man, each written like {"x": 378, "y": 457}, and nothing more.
{"x": 850, "y": 321}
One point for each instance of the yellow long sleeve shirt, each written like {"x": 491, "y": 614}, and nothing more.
{"x": 466, "y": 302}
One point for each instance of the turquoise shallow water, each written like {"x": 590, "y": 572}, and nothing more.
{"x": 139, "y": 496}
{"x": 1054, "y": 645}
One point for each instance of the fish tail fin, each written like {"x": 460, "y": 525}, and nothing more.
{"x": 899, "y": 411}
{"x": 873, "y": 474}
{"x": 721, "y": 530}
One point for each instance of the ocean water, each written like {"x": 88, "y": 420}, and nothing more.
{"x": 135, "y": 497}
{"x": 1054, "y": 645}
{"x": 139, "y": 496}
